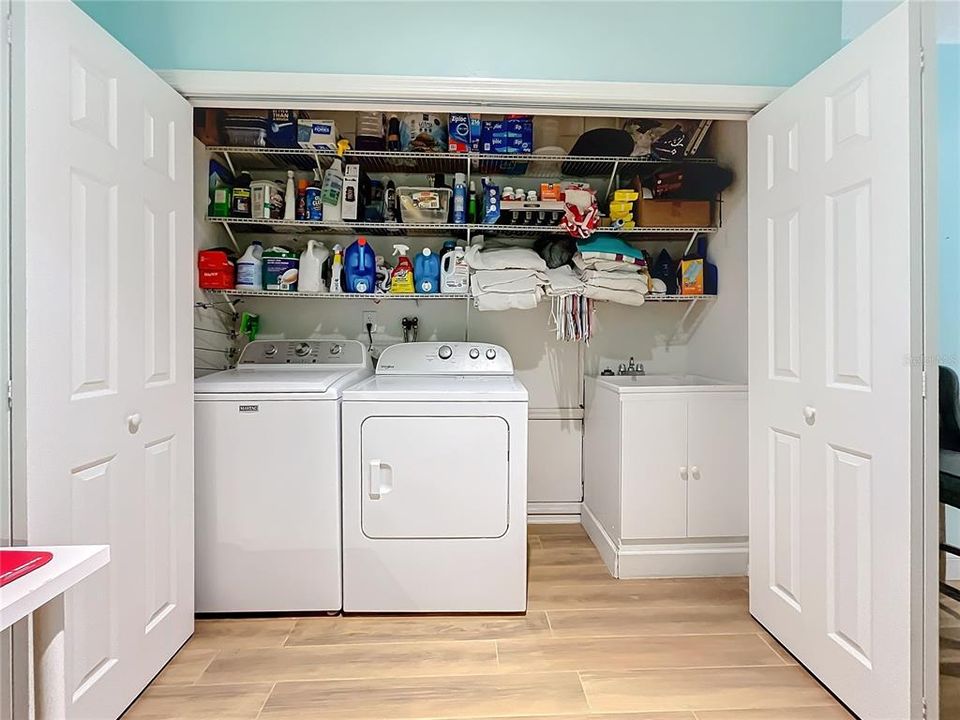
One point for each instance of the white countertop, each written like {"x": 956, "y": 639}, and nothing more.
{"x": 627, "y": 384}
{"x": 70, "y": 564}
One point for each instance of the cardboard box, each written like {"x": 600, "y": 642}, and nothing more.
{"x": 350, "y": 202}
{"x": 317, "y": 134}
{"x": 673, "y": 213}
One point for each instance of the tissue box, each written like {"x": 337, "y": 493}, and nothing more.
{"x": 317, "y": 134}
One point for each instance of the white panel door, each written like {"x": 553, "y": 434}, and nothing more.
{"x": 106, "y": 292}
{"x": 717, "y": 465}
{"x": 834, "y": 399}
{"x": 654, "y": 466}
{"x": 434, "y": 477}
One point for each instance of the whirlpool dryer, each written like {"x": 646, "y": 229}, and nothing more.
{"x": 268, "y": 477}
{"x": 435, "y": 482}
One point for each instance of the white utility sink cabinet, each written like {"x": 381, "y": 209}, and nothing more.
{"x": 665, "y": 475}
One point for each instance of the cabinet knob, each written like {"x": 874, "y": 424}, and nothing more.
{"x": 695, "y": 472}
{"x": 133, "y": 423}
{"x": 810, "y": 414}
{"x": 683, "y": 472}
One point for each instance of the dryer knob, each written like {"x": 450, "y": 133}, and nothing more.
{"x": 474, "y": 353}
{"x": 491, "y": 353}
{"x": 445, "y": 352}
{"x": 270, "y": 350}
{"x": 303, "y": 349}
{"x": 336, "y": 349}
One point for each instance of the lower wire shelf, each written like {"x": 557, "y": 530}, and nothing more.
{"x": 377, "y": 297}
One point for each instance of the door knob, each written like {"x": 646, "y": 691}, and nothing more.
{"x": 133, "y": 423}
{"x": 695, "y": 472}
{"x": 810, "y": 414}
{"x": 683, "y": 472}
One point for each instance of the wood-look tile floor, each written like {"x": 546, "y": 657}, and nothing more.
{"x": 589, "y": 646}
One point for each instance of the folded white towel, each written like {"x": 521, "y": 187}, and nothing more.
{"x": 588, "y": 275}
{"x": 563, "y": 281}
{"x": 637, "y": 283}
{"x": 504, "y": 281}
{"x": 584, "y": 264}
{"x": 504, "y": 258}
{"x": 624, "y": 297}
{"x": 508, "y": 301}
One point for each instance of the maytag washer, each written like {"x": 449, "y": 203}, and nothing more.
{"x": 435, "y": 482}
{"x": 268, "y": 477}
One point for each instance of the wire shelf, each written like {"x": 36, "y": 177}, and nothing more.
{"x": 386, "y": 161}
{"x": 657, "y": 297}
{"x": 399, "y": 229}
{"x": 369, "y": 297}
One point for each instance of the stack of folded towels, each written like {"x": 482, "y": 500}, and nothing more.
{"x": 510, "y": 278}
{"x": 612, "y": 270}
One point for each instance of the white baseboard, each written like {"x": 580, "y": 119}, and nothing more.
{"x": 665, "y": 559}
{"x": 537, "y": 519}
{"x": 682, "y": 560}
{"x": 553, "y": 508}
{"x": 603, "y": 542}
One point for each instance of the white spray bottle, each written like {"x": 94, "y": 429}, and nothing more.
{"x": 290, "y": 198}
{"x": 336, "y": 271}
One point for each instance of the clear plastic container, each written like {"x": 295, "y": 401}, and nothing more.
{"x": 424, "y": 204}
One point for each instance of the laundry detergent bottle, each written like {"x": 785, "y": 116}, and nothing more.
{"x": 401, "y": 279}
{"x": 250, "y": 268}
{"x": 454, "y": 272}
{"x": 426, "y": 271}
{"x": 360, "y": 267}
{"x": 311, "y": 267}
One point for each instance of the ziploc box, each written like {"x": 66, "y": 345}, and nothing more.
{"x": 475, "y": 129}
{"x": 458, "y": 134}
{"x": 507, "y": 136}
{"x": 317, "y": 134}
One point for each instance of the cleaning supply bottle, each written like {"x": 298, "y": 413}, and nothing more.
{"x": 336, "y": 270}
{"x": 311, "y": 267}
{"x": 302, "y": 186}
{"x": 360, "y": 267}
{"x": 240, "y": 197}
{"x": 426, "y": 271}
{"x": 459, "y": 198}
{"x": 390, "y": 207}
{"x": 290, "y": 198}
{"x": 250, "y": 268}
{"x": 401, "y": 279}
{"x": 221, "y": 198}
{"x": 472, "y": 203}
{"x": 314, "y": 198}
{"x": 454, "y": 273}
{"x": 332, "y": 191}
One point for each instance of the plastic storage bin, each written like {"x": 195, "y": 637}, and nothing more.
{"x": 424, "y": 204}
{"x": 245, "y": 131}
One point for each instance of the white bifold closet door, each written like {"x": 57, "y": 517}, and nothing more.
{"x": 835, "y": 401}
{"x": 106, "y": 256}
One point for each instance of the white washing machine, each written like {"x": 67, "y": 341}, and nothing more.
{"x": 435, "y": 482}
{"x": 268, "y": 477}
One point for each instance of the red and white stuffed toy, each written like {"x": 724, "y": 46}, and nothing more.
{"x": 581, "y": 216}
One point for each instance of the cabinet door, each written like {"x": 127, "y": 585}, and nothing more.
{"x": 553, "y": 471}
{"x": 654, "y": 447}
{"x": 717, "y": 471}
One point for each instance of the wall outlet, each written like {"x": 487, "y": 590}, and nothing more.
{"x": 369, "y": 316}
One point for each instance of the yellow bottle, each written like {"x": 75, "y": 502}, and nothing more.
{"x": 401, "y": 279}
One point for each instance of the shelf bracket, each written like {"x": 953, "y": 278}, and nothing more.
{"x": 229, "y": 302}
{"x": 693, "y": 239}
{"x": 686, "y": 314}
{"x": 316, "y": 159}
{"x": 613, "y": 176}
{"x": 226, "y": 156}
{"x": 233, "y": 239}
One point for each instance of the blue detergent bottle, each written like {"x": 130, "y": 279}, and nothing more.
{"x": 426, "y": 271}
{"x": 360, "y": 267}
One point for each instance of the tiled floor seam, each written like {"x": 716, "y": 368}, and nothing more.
{"x": 206, "y": 667}
{"x": 265, "y": 700}
{"x": 776, "y": 652}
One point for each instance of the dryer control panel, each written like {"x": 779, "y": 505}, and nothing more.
{"x": 305, "y": 352}
{"x": 445, "y": 358}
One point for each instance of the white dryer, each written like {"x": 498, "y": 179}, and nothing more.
{"x": 268, "y": 477}
{"x": 435, "y": 482}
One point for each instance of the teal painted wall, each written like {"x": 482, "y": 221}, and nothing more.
{"x": 755, "y": 42}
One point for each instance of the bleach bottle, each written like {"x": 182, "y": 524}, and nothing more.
{"x": 454, "y": 272}
{"x": 360, "y": 267}
{"x": 426, "y": 272}
{"x": 250, "y": 268}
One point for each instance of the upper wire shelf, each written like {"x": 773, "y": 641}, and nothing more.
{"x": 386, "y": 161}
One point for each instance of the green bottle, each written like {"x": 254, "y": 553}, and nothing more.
{"x": 221, "y": 199}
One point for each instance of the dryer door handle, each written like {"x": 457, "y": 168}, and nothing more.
{"x": 381, "y": 479}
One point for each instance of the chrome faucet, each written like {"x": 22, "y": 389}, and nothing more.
{"x": 632, "y": 369}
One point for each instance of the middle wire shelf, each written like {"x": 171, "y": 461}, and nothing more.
{"x": 401, "y": 229}
{"x": 377, "y": 297}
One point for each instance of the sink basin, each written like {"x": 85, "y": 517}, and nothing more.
{"x": 654, "y": 383}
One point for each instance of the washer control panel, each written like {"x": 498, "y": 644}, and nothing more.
{"x": 305, "y": 352}
{"x": 445, "y": 358}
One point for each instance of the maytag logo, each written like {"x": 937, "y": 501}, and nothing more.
{"x": 249, "y": 408}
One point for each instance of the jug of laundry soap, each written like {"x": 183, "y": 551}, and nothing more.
{"x": 401, "y": 279}
{"x": 360, "y": 267}
{"x": 250, "y": 268}
{"x": 454, "y": 273}
{"x": 311, "y": 267}
{"x": 426, "y": 271}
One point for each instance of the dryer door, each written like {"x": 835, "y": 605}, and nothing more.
{"x": 435, "y": 477}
